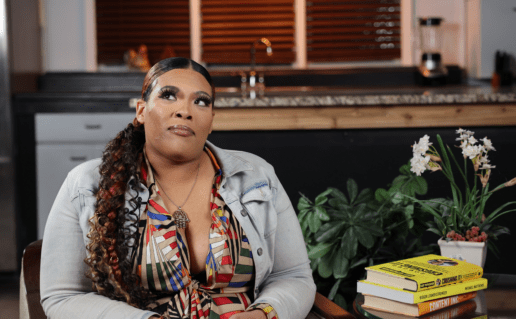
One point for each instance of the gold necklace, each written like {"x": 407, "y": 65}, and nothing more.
{"x": 179, "y": 215}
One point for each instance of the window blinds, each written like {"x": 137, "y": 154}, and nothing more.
{"x": 352, "y": 30}
{"x": 339, "y": 30}
{"x": 126, "y": 24}
{"x": 229, "y": 27}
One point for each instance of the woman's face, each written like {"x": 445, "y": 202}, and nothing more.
{"x": 178, "y": 115}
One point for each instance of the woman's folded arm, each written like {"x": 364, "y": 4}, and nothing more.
{"x": 65, "y": 290}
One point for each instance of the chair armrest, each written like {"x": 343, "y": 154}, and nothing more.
{"x": 30, "y": 268}
{"x": 24, "y": 305}
{"x": 328, "y": 309}
{"x": 31, "y": 264}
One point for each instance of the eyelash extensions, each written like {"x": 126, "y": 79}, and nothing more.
{"x": 164, "y": 92}
{"x": 205, "y": 98}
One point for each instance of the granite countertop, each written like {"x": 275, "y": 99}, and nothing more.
{"x": 479, "y": 92}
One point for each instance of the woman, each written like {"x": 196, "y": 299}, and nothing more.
{"x": 167, "y": 224}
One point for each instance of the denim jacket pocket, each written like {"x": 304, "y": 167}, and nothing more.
{"x": 257, "y": 201}
{"x": 259, "y": 191}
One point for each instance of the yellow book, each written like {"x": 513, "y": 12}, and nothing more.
{"x": 401, "y": 295}
{"x": 421, "y": 273}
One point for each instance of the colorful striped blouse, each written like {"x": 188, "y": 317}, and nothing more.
{"x": 163, "y": 260}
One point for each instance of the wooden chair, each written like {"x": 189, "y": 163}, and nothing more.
{"x": 30, "y": 306}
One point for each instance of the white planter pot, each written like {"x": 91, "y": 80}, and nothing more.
{"x": 472, "y": 252}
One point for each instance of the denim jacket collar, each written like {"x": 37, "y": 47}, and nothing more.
{"x": 229, "y": 163}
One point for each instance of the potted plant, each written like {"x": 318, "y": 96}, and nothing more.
{"x": 465, "y": 228}
{"x": 345, "y": 231}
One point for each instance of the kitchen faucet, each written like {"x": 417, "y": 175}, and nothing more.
{"x": 252, "y": 73}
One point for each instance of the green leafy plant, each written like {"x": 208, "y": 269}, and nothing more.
{"x": 463, "y": 216}
{"x": 346, "y": 232}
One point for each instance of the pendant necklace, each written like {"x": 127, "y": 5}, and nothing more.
{"x": 179, "y": 215}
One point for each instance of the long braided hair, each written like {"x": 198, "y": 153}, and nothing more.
{"x": 114, "y": 227}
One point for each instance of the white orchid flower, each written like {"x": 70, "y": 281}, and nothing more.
{"x": 484, "y": 160}
{"x": 418, "y": 164}
{"x": 422, "y": 146}
{"x": 488, "y": 144}
{"x": 471, "y": 151}
{"x": 487, "y": 166}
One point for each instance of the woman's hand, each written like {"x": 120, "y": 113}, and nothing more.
{"x": 255, "y": 314}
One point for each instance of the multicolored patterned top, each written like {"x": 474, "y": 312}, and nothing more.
{"x": 163, "y": 261}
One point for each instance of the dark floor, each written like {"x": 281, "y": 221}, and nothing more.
{"x": 9, "y": 296}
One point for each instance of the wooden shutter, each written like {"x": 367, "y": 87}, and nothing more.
{"x": 352, "y": 30}
{"x": 229, "y": 27}
{"x": 126, "y": 24}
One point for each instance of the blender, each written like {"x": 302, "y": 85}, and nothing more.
{"x": 431, "y": 68}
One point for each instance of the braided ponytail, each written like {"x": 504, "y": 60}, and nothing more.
{"x": 110, "y": 268}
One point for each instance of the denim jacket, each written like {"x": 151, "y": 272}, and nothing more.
{"x": 253, "y": 193}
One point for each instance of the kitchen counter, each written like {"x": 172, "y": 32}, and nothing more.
{"x": 284, "y": 96}
{"x": 303, "y": 96}
{"x": 300, "y": 107}
{"x": 338, "y": 108}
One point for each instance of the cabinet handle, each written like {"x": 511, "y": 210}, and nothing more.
{"x": 77, "y": 158}
{"x": 93, "y": 126}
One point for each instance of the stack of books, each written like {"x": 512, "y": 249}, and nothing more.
{"x": 421, "y": 285}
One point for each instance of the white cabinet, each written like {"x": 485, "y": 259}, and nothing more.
{"x": 82, "y": 128}
{"x": 64, "y": 141}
